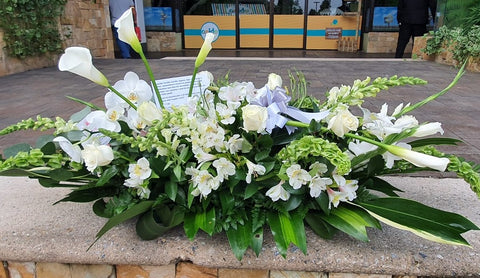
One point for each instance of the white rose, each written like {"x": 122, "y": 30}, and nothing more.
{"x": 149, "y": 112}
{"x": 343, "y": 122}
{"x": 96, "y": 155}
{"x": 274, "y": 81}
{"x": 254, "y": 118}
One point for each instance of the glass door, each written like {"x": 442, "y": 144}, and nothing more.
{"x": 289, "y": 24}
{"x": 254, "y": 24}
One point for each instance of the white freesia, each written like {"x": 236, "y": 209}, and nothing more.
{"x": 428, "y": 129}
{"x": 140, "y": 170}
{"x": 255, "y": 170}
{"x": 274, "y": 81}
{"x": 419, "y": 159}
{"x": 96, "y": 155}
{"x": 74, "y": 151}
{"x": 297, "y": 176}
{"x": 254, "y": 118}
{"x": 317, "y": 185}
{"x": 149, "y": 112}
{"x": 126, "y": 31}
{"x": 343, "y": 122}
{"x": 278, "y": 192}
{"x": 205, "y": 49}
{"x": 78, "y": 60}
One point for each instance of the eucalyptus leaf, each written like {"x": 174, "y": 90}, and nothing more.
{"x": 15, "y": 149}
{"x": 80, "y": 115}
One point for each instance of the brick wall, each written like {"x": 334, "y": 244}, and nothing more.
{"x": 84, "y": 23}
{"x": 382, "y": 42}
{"x": 179, "y": 270}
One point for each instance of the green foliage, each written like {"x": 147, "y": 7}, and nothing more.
{"x": 462, "y": 42}
{"x": 31, "y": 27}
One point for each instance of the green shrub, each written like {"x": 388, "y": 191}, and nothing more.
{"x": 31, "y": 27}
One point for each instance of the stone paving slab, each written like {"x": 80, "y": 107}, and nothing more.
{"x": 43, "y": 91}
{"x": 31, "y": 229}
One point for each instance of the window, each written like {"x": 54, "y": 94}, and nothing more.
{"x": 161, "y": 15}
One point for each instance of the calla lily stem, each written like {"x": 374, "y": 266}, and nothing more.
{"x": 122, "y": 97}
{"x": 192, "y": 82}
{"x": 152, "y": 78}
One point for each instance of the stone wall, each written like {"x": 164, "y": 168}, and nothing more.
{"x": 179, "y": 270}
{"x": 382, "y": 42}
{"x": 84, "y": 23}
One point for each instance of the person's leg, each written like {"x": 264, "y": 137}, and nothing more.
{"x": 404, "y": 34}
{"x": 418, "y": 30}
{"x": 123, "y": 46}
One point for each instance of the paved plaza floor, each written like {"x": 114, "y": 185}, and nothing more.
{"x": 43, "y": 91}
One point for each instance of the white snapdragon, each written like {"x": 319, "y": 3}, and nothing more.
{"x": 254, "y": 170}
{"x": 277, "y": 192}
{"x": 297, "y": 176}
{"x": 254, "y": 118}
{"x": 96, "y": 155}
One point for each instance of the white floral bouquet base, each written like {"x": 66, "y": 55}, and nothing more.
{"x": 236, "y": 159}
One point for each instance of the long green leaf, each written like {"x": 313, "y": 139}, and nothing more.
{"x": 122, "y": 217}
{"x": 424, "y": 221}
{"x": 286, "y": 229}
{"x": 434, "y": 141}
{"x": 204, "y": 220}
{"x": 352, "y": 221}
{"x": 240, "y": 238}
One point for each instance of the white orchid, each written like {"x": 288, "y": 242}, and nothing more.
{"x": 96, "y": 120}
{"x": 74, "y": 151}
{"x": 78, "y": 60}
{"x": 126, "y": 30}
{"x": 132, "y": 88}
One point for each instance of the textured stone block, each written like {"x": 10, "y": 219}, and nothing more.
{"x": 52, "y": 270}
{"x": 296, "y": 274}
{"x": 188, "y": 270}
{"x": 93, "y": 270}
{"x": 353, "y": 275}
{"x": 242, "y": 273}
{"x": 127, "y": 271}
{"x": 21, "y": 269}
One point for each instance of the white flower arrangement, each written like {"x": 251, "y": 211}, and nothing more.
{"x": 236, "y": 159}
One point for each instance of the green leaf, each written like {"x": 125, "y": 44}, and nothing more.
{"x": 320, "y": 227}
{"x": 13, "y": 150}
{"x": 109, "y": 173}
{"x": 323, "y": 201}
{"x": 257, "y": 241}
{"x": 45, "y": 143}
{"x": 287, "y": 228}
{"x": 171, "y": 188}
{"x": 240, "y": 238}
{"x": 204, "y": 220}
{"x": 89, "y": 194}
{"x": 75, "y": 135}
{"x": 424, "y": 221}
{"x": 158, "y": 221}
{"x": 60, "y": 174}
{"x": 99, "y": 208}
{"x": 352, "y": 221}
{"x": 380, "y": 185}
{"x": 80, "y": 115}
{"x": 122, "y": 217}
{"x": 434, "y": 141}
{"x": 251, "y": 189}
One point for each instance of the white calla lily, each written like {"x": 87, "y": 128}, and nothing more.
{"x": 206, "y": 47}
{"x": 126, "y": 30}
{"x": 428, "y": 129}
{"x": 78, "y": 60}
{"x": 419, "y": 159}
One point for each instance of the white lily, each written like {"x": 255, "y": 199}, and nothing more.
{"x": 206, "y": 47}
{"x": 419, "y": 159}
{"x": 78, "y": 60}
{"x": 126, "y": 30}
{"x": 428, "y": 129}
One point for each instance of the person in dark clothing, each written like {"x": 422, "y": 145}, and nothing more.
{"x": 413, "y": 17}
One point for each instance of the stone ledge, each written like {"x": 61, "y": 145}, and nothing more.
{"x": 33, "y": 230}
